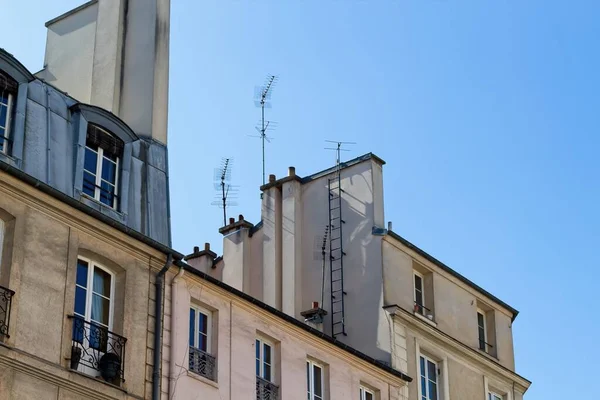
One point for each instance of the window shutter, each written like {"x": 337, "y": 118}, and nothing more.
{"x": 98, "y": 137}
{"x": 7, "y": 84}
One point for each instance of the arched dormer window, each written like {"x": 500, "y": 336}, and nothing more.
{"x": 103, "y": 155}
{"x": 8, "y": 95}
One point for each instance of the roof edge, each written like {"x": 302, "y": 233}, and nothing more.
{"x": 452, "y": 272}
{"x": 70, "y": 12}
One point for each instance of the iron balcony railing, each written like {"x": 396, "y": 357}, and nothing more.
{"x": 424, "y": 311}
{"x": 97, "y": 352}
{"x": 266, "y": 390}
{"x": 483, "y": 345}
{"x": 203, "y": 364}
{"x": 6, "y": 296}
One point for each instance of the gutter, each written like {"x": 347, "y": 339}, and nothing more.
{"x": 158, "y": 326}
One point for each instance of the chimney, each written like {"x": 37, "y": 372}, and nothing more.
{"x": 202, "y": 260}
{"x": 389, "y": 225}
{"x": 272, "y": 178}
{"x": 292, "y": 171}
{"x": 119, "y": 52}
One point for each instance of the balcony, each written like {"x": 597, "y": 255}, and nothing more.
{"x": 6, "y": 296}
{"x": 97, "y": 352}
{"x": 203, "y": 364}
{"x": 266, "y": 390}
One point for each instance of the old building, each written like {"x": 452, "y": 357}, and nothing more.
{"x": 84, "y": 216}
{"x": 220, "y": 343}
{"x": 323, "y": 239}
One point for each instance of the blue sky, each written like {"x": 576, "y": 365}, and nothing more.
{"x": 486, "y": 112}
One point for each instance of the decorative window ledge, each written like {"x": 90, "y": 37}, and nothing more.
{"x": 424, "y": 318}
{"x": 203, "y": 379}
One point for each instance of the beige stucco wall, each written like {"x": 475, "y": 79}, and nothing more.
{"x": 455, "y": 304}
{"x": 46, "y": 240}
{"x": 239, "y": 323}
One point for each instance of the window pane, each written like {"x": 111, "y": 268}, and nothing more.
{"x": 267, "y": 372}
{"x": 318, "y": 383}
{"x": 257, "y": 350}
{"x": 480, "y": 320}
{"x": 419, "y": 283}
{"x": 203, "y": 323}
{"x": 107, "y": 193}
{"x": 109, "y": 170}
{"x": 431, "y": 372}
{"x": 419, "y": 299}
{"x": 203, "y": 342}
{"x": 267, "y": 354}
{"x": 192, "y": 325}
{"x": 110, "y": 156}
{"x": 308, "y": 377}
{"x": 80, "y": 295}
{"x": 82, "y": 273}
{"x": 90, "y": 161}
{"x": 368, "y": 396}
{"x": 100, "y": 309}
{"x": 432, "y": 390}
{"x": 102, "y": 282}
{"x": 3, "y": 114}
{"x": 422, "y": 366}
{"x": 89, "y": 184}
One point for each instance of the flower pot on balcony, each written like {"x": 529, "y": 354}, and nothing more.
{"x": 75, "y": 356}
{"x": 110, "y": 367}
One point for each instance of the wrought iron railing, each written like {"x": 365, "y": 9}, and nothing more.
{"x": 203, "y": 364}
{"x": 266, "y": 390}
{"x": 424, "y": 311}
{"x": 6, "y": 296}
{"x": 483, "y": 345}
{"x": 96, "y": 351}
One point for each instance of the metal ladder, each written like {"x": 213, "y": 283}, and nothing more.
{"x": 336, "y": 256}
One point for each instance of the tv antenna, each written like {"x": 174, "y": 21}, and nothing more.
{"x": 338, "y": 149}
{"x": 262, "y": 95}
{"x": 225, "y": 191}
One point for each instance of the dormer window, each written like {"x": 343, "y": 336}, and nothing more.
{"x": 103, "y": 153}
{"x": 8, "y": 91}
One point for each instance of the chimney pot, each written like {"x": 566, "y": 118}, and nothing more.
{"x": 389, "y": 225}
{"x": 271, "y": 178}
{"x": 196, "y": 249}
{"x": 292, "y": 171}
{"x": 206, "y": 246}
{"x": 241, "y": 217}
{"x": 231, "y": 221}
{"x": 315, "y": 304}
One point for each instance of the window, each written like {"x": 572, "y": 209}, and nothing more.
{"x": 101, "y": 166}
{"x": 264, "y": 360}
{"x": 1, "y": 240}
{"x": 494, "y": 396}
{"x": 8, "y": 90}
{"x": 200, "y": 322}
{"x": 200, "y": 360}
{"x": 419, "y": 294}
{"x": 429, "y": 379}
{"x": 314, "y": 380}
{"x": 482, "y": 330}
{"x": 94, "y": 288}
{"x": 366, "y": 394}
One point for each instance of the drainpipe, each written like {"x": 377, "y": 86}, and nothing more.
{"x": 174, "y": 321}
{"x": 158, "y": 326}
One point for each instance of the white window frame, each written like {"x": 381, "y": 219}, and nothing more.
{"x": 494, "y": 396}
{"x": 261, "y": 361}
{"x": 311, "y": 364}
{"x": 92, "y": 265}
{"x": 425, "y": 373}
{"x": 364, "y": 391}
{"x": 2, "y": 231}
{"x": 485, "y": 333}
{"x": 6, "y": 137}
{"x": 98, "y": 174}
{"x": 209, "y": 321}
{"x": 420, "y": 275}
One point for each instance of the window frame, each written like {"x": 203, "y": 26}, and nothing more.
{"x": 209, "y": 320}
{"x": 310, "y": 384}
{"x": 485, "y": 346}
{"x": 364, "y": 391}
{"x": 7, "y": 131}
{"x": 261, "y": 342}
{"x": 422, "y": 290}
{"x": 2, "y": 236}
{"x": 425, "y": 374}
{"x": 98, "y": 175}
{"x": 92, "y": 265}
{"x": 494, "y": 396}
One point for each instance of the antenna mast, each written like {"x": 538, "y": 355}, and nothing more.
{"x": 224, "y": 189}
{"x": 262, "y": 95}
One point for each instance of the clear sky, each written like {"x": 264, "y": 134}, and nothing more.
{"x": 486, "y": 111}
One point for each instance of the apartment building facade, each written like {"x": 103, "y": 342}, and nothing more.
{"x": 322, "y": 239}
{"x": 84, "y": 218}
